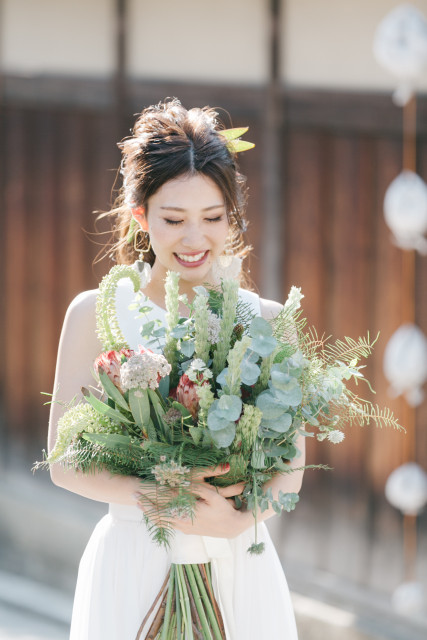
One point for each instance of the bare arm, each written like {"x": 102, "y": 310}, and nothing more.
{"x": 78, "y": 348}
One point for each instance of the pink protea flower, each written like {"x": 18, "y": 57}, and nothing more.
{"x": 186, "y": 394}
{"x": 110, "y": 362}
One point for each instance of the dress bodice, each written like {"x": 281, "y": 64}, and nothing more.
{"x": 130, "y": 321}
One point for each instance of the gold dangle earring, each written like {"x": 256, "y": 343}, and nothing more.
{"x": 140, "y": 265}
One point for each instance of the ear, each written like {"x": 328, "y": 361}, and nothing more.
{"x": 139, "y": 215}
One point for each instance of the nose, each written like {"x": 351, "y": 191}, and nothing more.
{"x": 193, "y": 236}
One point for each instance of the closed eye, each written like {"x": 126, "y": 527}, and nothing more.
{"x": 173, "y": 221}
{"x": 217, "y": 219}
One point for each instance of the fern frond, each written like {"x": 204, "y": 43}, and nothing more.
{"x": 349, "y": 349}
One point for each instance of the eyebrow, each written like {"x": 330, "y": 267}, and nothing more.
{"x": 181, "y": 210}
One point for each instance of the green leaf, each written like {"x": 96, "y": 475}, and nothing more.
{"x": 109, "y": 440}
{"x": 111, "y": 390}
{"x": 104, "y": 409}
{"x": 249, "y": 369}
{"x": 288, "y": 500}
{"x": 258, "y": 459}
{"x": 229, "y": 406}
{"x": 187, "y": 347}
{"x": 279, "y": 425}
{"x": 196, "y": 433}
{"x": 184, "y": 412}
{"x": 270, "y": 406}
{"x": 140, "y": 406}
{"x": 217, "y": 422}
{"x": 291, "y": 396}
{"x": 147, "y": 329}
{"x": 224, "y": 437}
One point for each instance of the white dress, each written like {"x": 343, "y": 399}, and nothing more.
{"x": 122, "y": 569}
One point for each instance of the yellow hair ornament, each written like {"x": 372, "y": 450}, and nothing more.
{"x": 233, "y": 139}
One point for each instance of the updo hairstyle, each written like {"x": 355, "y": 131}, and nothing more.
{"x": 168, "y": 142}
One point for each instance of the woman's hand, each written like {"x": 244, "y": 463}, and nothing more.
{"x": 214, "y": 512}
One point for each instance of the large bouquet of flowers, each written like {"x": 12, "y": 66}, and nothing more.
{"x": 225, "y": 386}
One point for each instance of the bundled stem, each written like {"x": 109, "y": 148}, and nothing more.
{"x": 187, "y": 609}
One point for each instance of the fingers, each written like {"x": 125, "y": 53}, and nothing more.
{"x": 209, "y": 472}
{"x": 232, "y": 490}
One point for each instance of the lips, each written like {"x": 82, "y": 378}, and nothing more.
{"x": 191, "y": 259}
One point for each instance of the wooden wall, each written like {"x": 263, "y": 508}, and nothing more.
{"x": 58, "y": 161}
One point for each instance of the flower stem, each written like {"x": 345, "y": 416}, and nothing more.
{"x": 198, "y": 601}
{"x": 185, "y": 604}
{"x": 166, "y": 619}
{"x": 207, "y": 603}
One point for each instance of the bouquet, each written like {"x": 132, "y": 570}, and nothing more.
{"x": 223, "y": 386}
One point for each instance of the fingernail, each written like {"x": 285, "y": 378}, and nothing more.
{"x": 226, "y": 466}
{"x": 136, "y": 496}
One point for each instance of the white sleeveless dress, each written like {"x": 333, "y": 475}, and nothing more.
{"x": 122, "y": 569}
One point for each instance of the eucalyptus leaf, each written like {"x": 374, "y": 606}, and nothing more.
{"x": 221, "y": 378}
{"x": 217, "y": 422}
{"x": 224, "y": 437}
{"x": 179, "y": 332}
{"x": 229, "y": 406}
{"x": 249, "y": 369}
{"x": 264, "y": 345}
{"x": 288, "y": 500}
{"x": 292, "y": 396}
{"x": 281, "y": 424}
{"x": 270, "y": 406}
{"x": 147, "y": 329}
{"x": 187, "y": 347}
{"x": 260, "y": 327}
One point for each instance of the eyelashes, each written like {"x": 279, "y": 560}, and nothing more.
{"x": 176, "y": 222}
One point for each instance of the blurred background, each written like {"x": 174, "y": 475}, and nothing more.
{"x": 329, "y": 141}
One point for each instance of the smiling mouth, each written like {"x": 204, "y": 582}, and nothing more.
{"x": 192, "y": 260}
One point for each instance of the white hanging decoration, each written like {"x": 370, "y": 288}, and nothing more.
{"x": 405, "y": 211}
{"x": 409, "y": 598}
{"x": 400, "y": 46}
{"x": 406, "y": 488}
{"x": 405, "y": 363}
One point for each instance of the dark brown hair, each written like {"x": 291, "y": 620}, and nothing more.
{"x": 169, "y": 141}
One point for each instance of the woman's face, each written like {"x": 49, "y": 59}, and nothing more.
{"x": 188, "y": 227}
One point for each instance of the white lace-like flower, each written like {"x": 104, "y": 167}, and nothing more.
{"x": 196, "y": 368}
{"x": 171, "y": 473}
{"x": 336, "y": 436}
{"x": 144, "y": 370}
{"x": 214, "y": 326}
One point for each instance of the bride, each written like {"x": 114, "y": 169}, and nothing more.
{"x": 181, "y": 208}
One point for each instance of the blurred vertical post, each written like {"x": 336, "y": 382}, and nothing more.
{"x": 272, "y": 237}
{"x": 408, "y": 306}
{"x": 119, "y": 78}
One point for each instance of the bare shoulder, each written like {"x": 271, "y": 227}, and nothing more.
{"x": 83, "y": 305}
{"x": 80, "y": 321}
{"x": 270, "y": 308}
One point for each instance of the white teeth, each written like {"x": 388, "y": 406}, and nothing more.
{"x": 195, "y": 258}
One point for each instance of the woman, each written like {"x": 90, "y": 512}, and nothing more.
{"x": 182, "y": 205}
